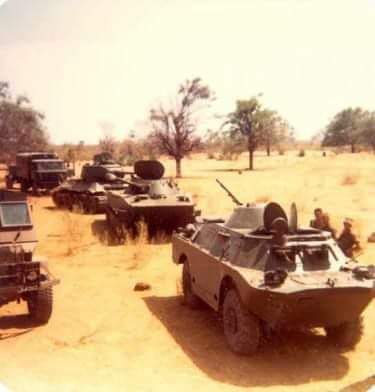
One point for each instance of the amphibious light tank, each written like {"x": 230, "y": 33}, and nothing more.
{"x": 88, "y": 193}
{"x": 22, "y": 276}
{"x": 262, "y": 272}
{"x": 150, "y": 198}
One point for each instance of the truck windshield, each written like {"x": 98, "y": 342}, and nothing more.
{"x": 14, "y": 214}
{"x": 50, "y": 166}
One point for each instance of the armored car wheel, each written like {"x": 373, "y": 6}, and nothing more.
{"x": 190, "y": 299}
{"x": 346, "y": 335}
{"x": 242, "y": 330}
{"x": 40, "y": 304}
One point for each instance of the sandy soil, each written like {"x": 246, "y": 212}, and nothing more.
{"x": 103, "y": 336}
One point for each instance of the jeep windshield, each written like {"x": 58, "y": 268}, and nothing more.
{"x": 14, "y": 215}
{"x": 50, "y": 166}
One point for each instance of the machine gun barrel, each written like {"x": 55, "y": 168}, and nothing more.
{"x": 229, "y": 193}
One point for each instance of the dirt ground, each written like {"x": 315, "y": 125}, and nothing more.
{"x": 103, "y": 336}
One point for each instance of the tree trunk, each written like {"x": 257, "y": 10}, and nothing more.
{"x": 251, "y": 159}
{"x": 353, "y": 148}
{"x": 178, "y": 167}
{"x": 268, "y": 147}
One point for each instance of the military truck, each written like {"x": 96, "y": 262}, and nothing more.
{"x": 22, "y": 276}
{"x": 36, "y": 170}
{"x": 87, "y": 194}
{"x": 262, "y": 272}
{"x": 148, "y": 198}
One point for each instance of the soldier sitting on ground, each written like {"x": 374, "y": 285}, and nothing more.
{"x": 347, "y": 240}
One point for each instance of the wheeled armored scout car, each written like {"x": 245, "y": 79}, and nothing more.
{"x": 22, "y": 277}
{"x": 150, "y": 198}
{"x": 36, "y": 170}
{"x": 264, "y": 273}
{"x": 88, "y": 193}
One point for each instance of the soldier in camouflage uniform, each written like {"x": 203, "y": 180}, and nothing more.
{"x": 347, "y": 240}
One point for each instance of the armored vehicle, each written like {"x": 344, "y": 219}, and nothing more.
{"x": 150, "y": 198}
{"x": 36, "y": 170}
{"x": 88, "y": 193}
{"x": 263, "y": 272}
{"x": 22, "y": 277}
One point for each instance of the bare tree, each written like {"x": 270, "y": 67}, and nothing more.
{"x": 174, "y": 128}
{"x": 108, "y": 142}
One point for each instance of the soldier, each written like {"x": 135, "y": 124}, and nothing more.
{"x": 347, "y": 240}
{"x": 327, "y": 225}
{"x": 318, "y": 222}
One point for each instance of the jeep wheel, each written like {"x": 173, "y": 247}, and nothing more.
{"x": 242, "y": 330}
{"x": 190, "y": 299}
{"x": 40, "y": 305}
{"x": 346, "y": 335}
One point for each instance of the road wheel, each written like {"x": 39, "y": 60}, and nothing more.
{"x": 40, "y": 305}
{"x": 91, "y": 206}
{"x": 190, "y": 299}
{"x": 9, "y": 183}
{"x": 35, "y": 190}
{"x": 24, "y": 186}
{"x": 242, "y": 329}
{"x": 346, "y": 335}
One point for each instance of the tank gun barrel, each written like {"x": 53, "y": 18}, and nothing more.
{"x": 229, "y": 193}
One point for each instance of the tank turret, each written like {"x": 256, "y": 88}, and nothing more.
{"x": 88, "y": 193}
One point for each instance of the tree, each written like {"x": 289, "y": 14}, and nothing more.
{"x": 345, "y": 128}
{"x": 368, "y": 130}
{"x": 245, "y": 122}
{"x": 21, "y": 126}
{"x": 108, "y": 144}
{"x": 174, "y": 127}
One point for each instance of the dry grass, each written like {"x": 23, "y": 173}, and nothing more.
{"x": 77, "y": 235}
{"x": 137, "y": 249}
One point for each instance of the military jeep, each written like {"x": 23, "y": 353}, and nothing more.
{"x": 22, "y": 277}
{"x": 263, "y": 273}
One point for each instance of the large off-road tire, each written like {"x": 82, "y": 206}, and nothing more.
{"x": 242, "y": 329}
{"x": 190, "y": 299}
{"x": 346, "y": 335}
{"x": 40, "y": 304}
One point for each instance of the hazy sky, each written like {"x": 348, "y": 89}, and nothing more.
{"x": 91, "y": 61}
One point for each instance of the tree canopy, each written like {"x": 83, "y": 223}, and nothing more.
{"x": 255, "y": 126}
{"x": 21, "y": 126}
{"x": 346, "y": 128}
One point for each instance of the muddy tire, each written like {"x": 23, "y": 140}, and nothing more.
{"x": 242, "y": 329}
{"x": 40, "y": 304}
{"x": 346, "y": 335}
{"x": 190, "y": 299}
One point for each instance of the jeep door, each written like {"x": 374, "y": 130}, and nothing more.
{"x": 206, "y": 268}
